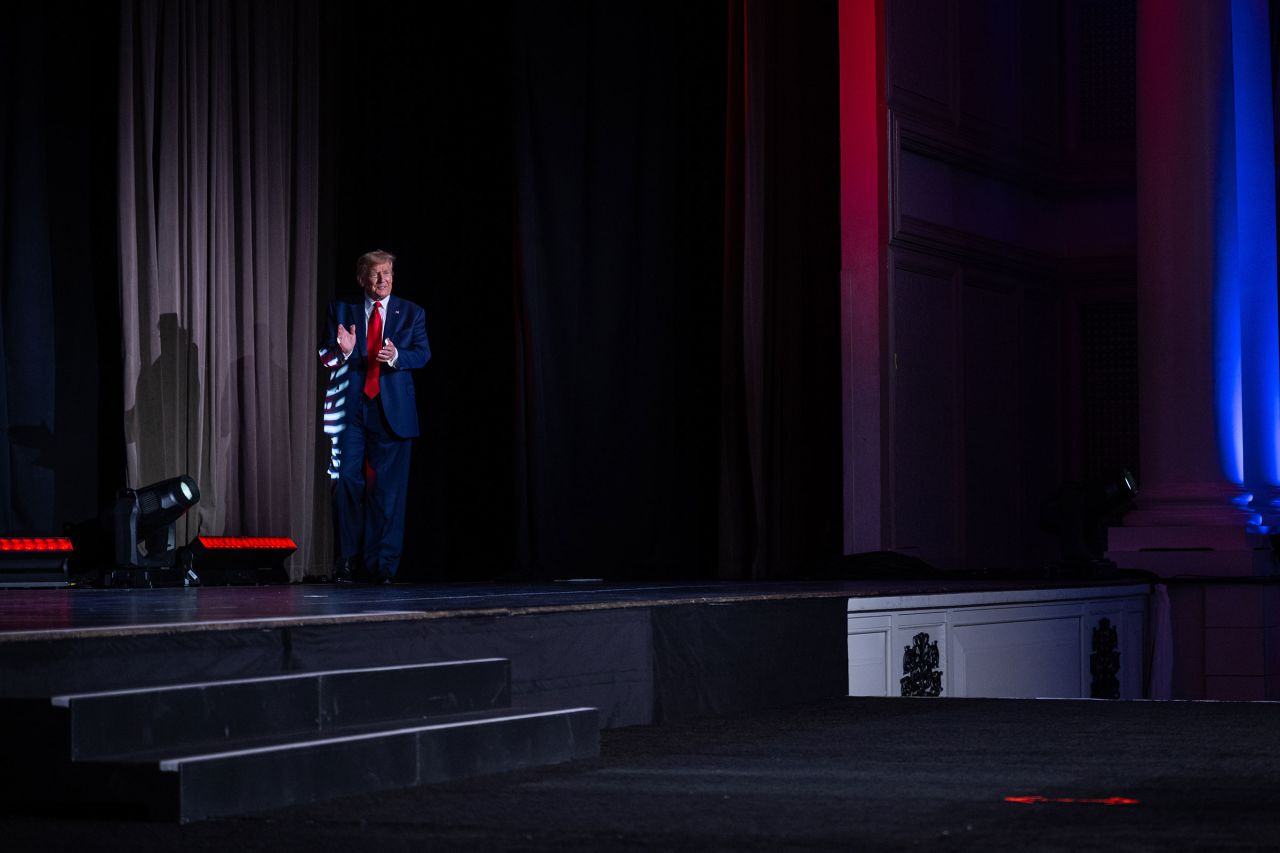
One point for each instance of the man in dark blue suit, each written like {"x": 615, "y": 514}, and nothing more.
{"x": 380, "y": 338}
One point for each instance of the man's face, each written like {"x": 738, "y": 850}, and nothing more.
{"x": 376, "y": 281}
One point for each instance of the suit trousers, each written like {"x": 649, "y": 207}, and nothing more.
{"x": 371, "y": 515}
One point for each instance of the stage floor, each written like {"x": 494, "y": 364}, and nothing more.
{"x": 50, "y": 614}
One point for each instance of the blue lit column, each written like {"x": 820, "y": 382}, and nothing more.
{"x": 1188, "y": 324}
{"x": 1209, "y": 365}
{"x": 1255, "y": 179}
{"x": 1208, "y": 350}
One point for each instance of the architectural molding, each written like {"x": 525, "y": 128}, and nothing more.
{"x": 953, "y": 244}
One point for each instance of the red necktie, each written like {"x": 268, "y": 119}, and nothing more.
{"x": 375, "y": 344}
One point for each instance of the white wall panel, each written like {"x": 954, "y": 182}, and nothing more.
{"x": 1001, "y": 643}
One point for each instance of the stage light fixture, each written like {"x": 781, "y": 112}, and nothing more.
{"x": 1080, "y": 513}
{"x": 34, "y": 561}
{"x": 224, "y": 560}
{"x": 1118, "y": 493}
{"x": 143, "y": 522}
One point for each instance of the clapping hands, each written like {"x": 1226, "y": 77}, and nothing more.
{"x": 347, "y": 343}
{"x": 346, "y": 339}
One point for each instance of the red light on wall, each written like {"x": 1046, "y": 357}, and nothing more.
{"x": 30, "y": 545}
{"x": 254, "y": 542}
{"x": 1094, "y": 801}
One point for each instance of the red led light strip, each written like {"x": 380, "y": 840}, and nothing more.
{"x": 1096, "y": 801}
{"x": 260, "y": 543}
{"x": 36, "y": 545}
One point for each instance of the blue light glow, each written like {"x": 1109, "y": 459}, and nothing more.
{"x": 1226, "y": 306}
{"x": 1246, "y": 341}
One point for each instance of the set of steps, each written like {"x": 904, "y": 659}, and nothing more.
{"x": 193, "y": 751}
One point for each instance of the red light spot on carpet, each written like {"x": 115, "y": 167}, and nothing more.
{"x": 1092, "y": 801}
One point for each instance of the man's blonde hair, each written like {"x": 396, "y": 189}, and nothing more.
{"x": 369, "y": 260}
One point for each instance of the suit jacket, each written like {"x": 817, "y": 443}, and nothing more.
{"x": 405, "y": 324}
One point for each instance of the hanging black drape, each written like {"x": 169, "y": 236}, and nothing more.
{"x": 619, "y": 122}
{"x": 677, "y": 288}
{"x": 61, "y": 447}
{"x": 780, "y": 422}
{"x": 430, "y": 180}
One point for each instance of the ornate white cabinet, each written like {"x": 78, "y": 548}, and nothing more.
{"x": 1072, "y": 642}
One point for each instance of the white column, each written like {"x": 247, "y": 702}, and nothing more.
{"x": 1194, "y": 319}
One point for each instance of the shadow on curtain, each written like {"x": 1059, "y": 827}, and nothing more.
{"x": 218, "y": 210}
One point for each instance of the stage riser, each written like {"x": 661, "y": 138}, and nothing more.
{"x": 239, "y": 785}
{"x": 637, "y": 665}
{"x": 210, "y": 716}
{"x": 44, "y": 668}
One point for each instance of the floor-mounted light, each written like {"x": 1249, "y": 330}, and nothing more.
{"x": 32, "y": 561}
{"x": 143, "y": 522}
{"x": 219, "y": 560}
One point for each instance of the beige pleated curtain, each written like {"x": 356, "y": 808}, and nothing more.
{"x": 218, "y": 216}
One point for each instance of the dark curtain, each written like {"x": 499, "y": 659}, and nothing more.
{"x": 416, "y": 159}
{"x": 61, "y": 442}
{"x": 677, "y": 289}
{"x": 619, "y": 162}
{"x": 780, "y": 422}
{"x": 737, "y": 507}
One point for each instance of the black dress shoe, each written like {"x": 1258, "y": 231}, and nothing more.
{"x": 342, "y": 572}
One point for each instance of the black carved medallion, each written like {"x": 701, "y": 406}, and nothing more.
{"x": 920, "y": 673}
{"x": 1104, "y": 663}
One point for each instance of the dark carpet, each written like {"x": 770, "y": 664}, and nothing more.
{"x": 856, "y": 774}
